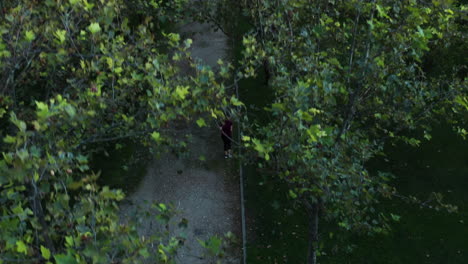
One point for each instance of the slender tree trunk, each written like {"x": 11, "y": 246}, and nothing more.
{"x": 36, "y": 205}
{"x": 266, "y": 68}
{"x": 312, "y": 236}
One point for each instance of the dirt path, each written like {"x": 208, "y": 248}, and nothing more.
{"x": 206, "y": 193}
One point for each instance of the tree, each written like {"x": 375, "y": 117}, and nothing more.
{"x": 348, "y": 76}
{"x": 75, "y": 74}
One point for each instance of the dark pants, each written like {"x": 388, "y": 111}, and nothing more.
{"x": 227, "y": 143}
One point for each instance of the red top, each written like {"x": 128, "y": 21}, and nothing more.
{"x": 227, "y": 127}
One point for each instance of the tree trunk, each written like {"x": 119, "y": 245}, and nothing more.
{"x": 36, "y": 205}
{"x": 266, "y": 68}
{"x": 312, "y": 236}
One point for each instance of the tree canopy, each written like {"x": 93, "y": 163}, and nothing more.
{"x": 76, "y": 74}
{"x": 347, "y": 78}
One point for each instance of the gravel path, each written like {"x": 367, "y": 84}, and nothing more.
{"x": 205, "y": 193}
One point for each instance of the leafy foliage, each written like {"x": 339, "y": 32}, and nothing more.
{"x": 216, "y": 247}
{"x": 76, "y": 73}
{"x": 348, "y": 76}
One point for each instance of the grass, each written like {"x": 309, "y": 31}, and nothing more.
{"x": 122, "y": 167}
{"x": 277, "y": 228}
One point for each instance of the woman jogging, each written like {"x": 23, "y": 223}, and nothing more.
{"x": 226, "y": 135}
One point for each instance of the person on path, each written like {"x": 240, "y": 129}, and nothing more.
{"x": 226, "y": 136}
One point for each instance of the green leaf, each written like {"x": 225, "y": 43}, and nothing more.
{"x": 201, "y": 122}
{"x": 43, "y": 109}
{"x": 18, "y": 210}
{"x": 380, "y": 61}
{"x": 292, "y": 194}
{"x": 213, "y": 245}
{"x": 18, "y": 123}
{"x": 462, "y": 100}
{"x": 22, "y": 154}
{"x": 188, "y": 43}
{"x": 94, "y": 28}
{"x": 258, "y": 146}
{"x": 21, "y": 247}
{"x": 182, "y": 91}
{"x": 29, "y": 36}
{"x": 156, "y": 136}
{"x": 65, "y": 259}
{"x": 8, "y": 157}
{"x": 36, "y": 176}
{"x": 381, "y": 11}
{"x": 82, "y": 159}
{"x": 462, "y": 132}
{"x": 395, "y": 218}
{"x": 3, "y": 111}
{"x": 88, "y": 6}
{"x": 420, "y": 31}
{"x": 9, "y": 139}
{"x": 110, "y": 63}
{"x": 315, "y": 132}
{"x": 236, "y": 101}
{"x": 414, "y": 142}
{"x": 45, "y": 252}
{"x": 69, "y": 241}
{"x": 278, "y": 106}
{"x": 144, "y": 252}
{"x": 344, "y": 225}
{"x": 60, "y": 35}
{"x": 22, "y": 126}
{"x": 262, "y": 149}
{"x": 427, "y": 136}
{"x": 174, "y": 38}
{"x": 70, "y": 110}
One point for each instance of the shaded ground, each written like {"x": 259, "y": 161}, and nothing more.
{"x": 206, "y": 193}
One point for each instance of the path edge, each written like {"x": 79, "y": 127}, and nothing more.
{"x": 241, "y": 183}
